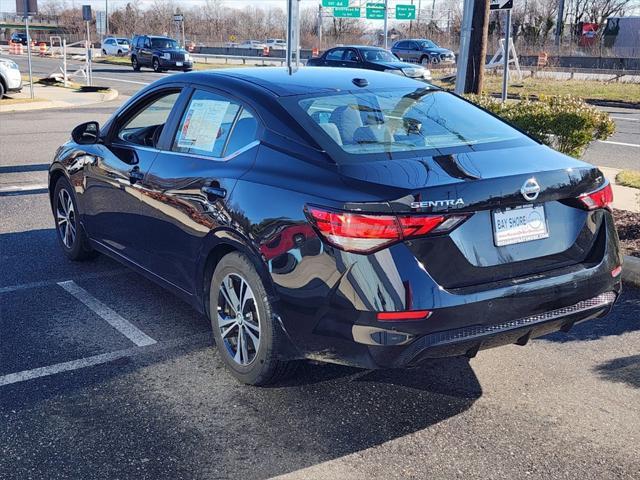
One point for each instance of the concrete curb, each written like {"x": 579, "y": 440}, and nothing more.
{"x": 631, "y": 271}
{"x": 110, "y": 94}
{"x": 100, "y": 97}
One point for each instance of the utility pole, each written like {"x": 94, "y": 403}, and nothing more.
{"x": 106, "y": 18}
{"x": 477, "y": 47}
{"x": 559, "y": 23}
{"x": 410, "y": 24}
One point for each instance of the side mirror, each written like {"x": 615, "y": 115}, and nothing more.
{"x": 86, "y": 133}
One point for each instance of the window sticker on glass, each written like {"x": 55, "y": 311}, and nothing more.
{"x": 201, "y": 125}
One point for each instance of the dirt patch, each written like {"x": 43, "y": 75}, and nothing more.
{"x": 628, "y": 225}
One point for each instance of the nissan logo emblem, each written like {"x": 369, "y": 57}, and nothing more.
{"x": 530, "y": 190}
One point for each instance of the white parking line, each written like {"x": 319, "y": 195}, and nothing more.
{"x": 87, "y": 276}
{"x": 126, "y": 328}
{"x": 626, "y": 119}
{"x": 64, "y": 367}
{"x": 95, "y": 360}
{"x": 120, "y": 80}
{"x": 620, "y": 143}
{"x": 23, "y": 188}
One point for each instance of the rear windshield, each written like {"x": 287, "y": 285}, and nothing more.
{"x": 123, "y": 41}
{"x": 402, "y": 120}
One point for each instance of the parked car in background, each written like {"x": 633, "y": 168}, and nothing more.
{"x": 422, "y": 51}
{"x": 10, "y": 78}
{"x": 339, "y": 215}
{"x": 115, "y": 46}
{"x": 252, "y": 44}
{"x": 369, "y": 58}
{"x": 19, "y": 37}
{"x": 159, "y": 53}
{"x": 276, "y": 44}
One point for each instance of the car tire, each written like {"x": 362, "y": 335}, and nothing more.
{"x": 1, "y": 91}
{"x": 425, "y": 60}
{"x": 236, "y": 279}
{"x": 156, "y": 65}
{"x": 119, "y": 53}
{"x": 135, "y": 64}
{"x": 104, "y": 52}
{"x": 69, "y": 231}
{"x": 187, "y": 69}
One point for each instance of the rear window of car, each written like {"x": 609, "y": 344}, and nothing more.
{"x": 401, "y": 120}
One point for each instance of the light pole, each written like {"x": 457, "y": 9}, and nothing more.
{"x": 386, "y": 24}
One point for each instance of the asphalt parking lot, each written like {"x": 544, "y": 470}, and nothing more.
{"x": 105, "y": 375}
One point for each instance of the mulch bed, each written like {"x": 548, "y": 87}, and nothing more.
{"x": 628, "y": 225}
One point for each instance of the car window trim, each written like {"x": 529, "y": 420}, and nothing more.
{"x": 226, "y": 158}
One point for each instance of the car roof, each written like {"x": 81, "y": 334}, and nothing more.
{"x": 307, "y": 80}
{"x": 359, "y": 46}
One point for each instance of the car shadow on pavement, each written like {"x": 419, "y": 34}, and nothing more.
{"x": 179, "y": 414}
{"x": 623, "y": 318}
{"x": 174, "y": 411}
{"x": 623, "y": 370}
{"x": 33, "y": 167}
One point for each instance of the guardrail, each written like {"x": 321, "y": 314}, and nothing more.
{"x": 200, "y": 58}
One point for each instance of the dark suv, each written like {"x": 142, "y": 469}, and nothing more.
{"x": 159, "y": 53}
{"x": 422, "y": 51}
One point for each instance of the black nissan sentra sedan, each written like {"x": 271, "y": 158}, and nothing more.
{"x": 340, "y": 215}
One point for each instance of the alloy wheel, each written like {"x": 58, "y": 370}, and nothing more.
{"x": 66, "y": 217}
{"x": 238, "y": 319}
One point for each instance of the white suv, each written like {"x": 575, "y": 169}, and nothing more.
{"x": 115, "y": 46}
{"x": 10, "y": 78}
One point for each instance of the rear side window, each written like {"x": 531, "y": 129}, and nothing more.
{"x": 244, "y": 132}
{"x": 335, "y": 54}
{"x": 207, "y": 123}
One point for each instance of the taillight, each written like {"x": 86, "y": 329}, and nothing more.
{"x": 360, "y": 233}
{"x": 601, "y": 198}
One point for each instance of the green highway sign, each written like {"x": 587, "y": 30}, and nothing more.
{"x": 405, "y": 12}
{"x": 335, "y": 3}
{"x": 350, "y": 12}
{"x": 375, "y": 11}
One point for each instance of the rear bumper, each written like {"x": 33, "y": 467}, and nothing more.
{"x": 333, "y": 316}
{"x": 12, "y": 80}
{"x": 469, "y": 340}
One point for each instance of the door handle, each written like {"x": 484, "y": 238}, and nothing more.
{"x": 215, "y": 192}
{"x": 135, "y": 175}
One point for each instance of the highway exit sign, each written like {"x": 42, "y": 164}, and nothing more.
{"x": 375, "y": 11}
{"x": 501, "y": 5}
{"x": 405, "y": 12}
{"x": 335, "y": 3}
{"x": 350, "y": 12}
